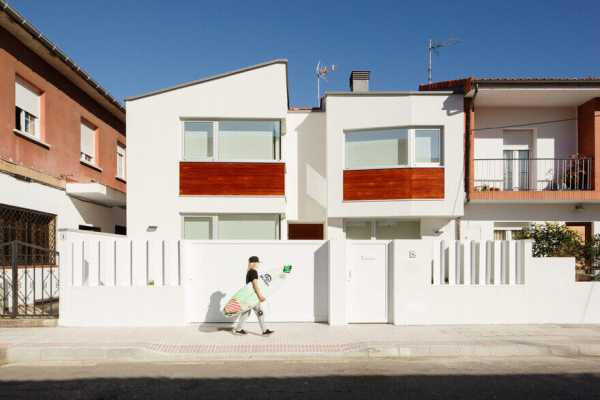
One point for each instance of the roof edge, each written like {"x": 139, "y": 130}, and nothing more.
{"x": 391, "y": 93}
{"x": 210, "y": 78}
{"x": 54, "y": 49}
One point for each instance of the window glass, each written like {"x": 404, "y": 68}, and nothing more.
{"x": 27, "y": 107}
{"x": 120, "y": 161}
{"x": 389, "y": 230}
{"x": 428, "y": 146}
{"x": 358, "y": 230}
{"x": 248, "y": 227}
{"x": 377, "y": 148}
{"x": 249, "y": 140}
{"x": 198, "y": 140}
{"x": 197, "y": 228}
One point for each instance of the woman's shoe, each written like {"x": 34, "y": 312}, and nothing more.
{"x": 240, "y": 332}
{"x": 268, "y": 332}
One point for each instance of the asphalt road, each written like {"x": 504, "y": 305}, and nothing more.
{"x": 492, "y": 378}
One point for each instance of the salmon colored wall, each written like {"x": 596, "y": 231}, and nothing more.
{"x": 63, "y": 106}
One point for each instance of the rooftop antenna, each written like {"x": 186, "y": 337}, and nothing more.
{"x": 433, "y": 46}
{"x": 321, "y": 73}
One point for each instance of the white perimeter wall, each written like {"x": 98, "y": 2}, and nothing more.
{"x": 548, "y": 295}
{"x": 154, "y": 135}
{"x": 366, "y": 112}
{"x": 70, "y": 212}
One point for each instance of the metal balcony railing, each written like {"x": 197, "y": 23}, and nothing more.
{"x": 532, "y": 174}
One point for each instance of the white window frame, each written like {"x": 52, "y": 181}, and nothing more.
{"x": 214, "y": 221}
{"x": 123, "y": 174}
{"x": 215, "y": 140}
{"x": 373, "y": 222}
{"x": 37, "y": 134}
{"x": 93, "y": 157}
{"x": 411, "y": 156}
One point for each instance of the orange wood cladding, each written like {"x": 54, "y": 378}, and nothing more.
{"x": 394, "y": 184}
{"x": 231, "y": 178}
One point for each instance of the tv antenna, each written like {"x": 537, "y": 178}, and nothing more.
{"x": 321, "y": 73}
{"x": 433, "y": 46}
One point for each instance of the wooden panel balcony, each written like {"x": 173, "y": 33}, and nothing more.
{"x": 231, "y": 178}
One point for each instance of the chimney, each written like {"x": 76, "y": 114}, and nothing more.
{"x": 359, "y": 81}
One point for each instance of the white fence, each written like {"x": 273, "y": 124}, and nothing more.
{"x": 108, "y": 281}
{"x": 478, "y": 263}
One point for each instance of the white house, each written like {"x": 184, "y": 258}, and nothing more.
{"x": 226, "y": 158}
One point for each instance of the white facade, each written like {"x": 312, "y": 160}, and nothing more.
{"x": 312, "y": 149}
{"x": 154, "y": 126}
{"x": 70, "y": 212}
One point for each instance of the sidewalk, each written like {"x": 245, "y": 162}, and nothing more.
{"x": 293, "y": 342}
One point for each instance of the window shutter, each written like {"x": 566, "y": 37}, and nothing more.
{"x": 27, "y": 97}
{"x": 88, "y": 140}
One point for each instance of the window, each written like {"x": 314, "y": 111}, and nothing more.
{"x": 231, "y": 140}
{"x": 380, "y": 148}
{"x": 27, "y": 108}
{"x": 382, "y": 229}
{"x": 393, "y": 147}
{"x": 428, "y": 146}
{"x": 232, "y": 227}
{"x": 509, "y": 230}
{"x": 248, "y": 140}
{"x": 120, "y": 230}
{"x": 198, "y": 140}
{"x": 88, "y": 142}
{"x": 197, "y": 228}
{"x": 120, "y": 161}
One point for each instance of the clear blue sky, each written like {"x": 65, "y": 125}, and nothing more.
{"x": 132, "y": 47}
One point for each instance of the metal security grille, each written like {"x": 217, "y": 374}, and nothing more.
{"x": 28, "y": 263}
{"x": 28, "y": 281}
{"x": 27, "y": 226}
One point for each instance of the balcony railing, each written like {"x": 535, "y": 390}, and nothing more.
{"x": 532, "y": 174}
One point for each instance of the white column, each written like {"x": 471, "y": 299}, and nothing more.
{"x": 337, "y": 282}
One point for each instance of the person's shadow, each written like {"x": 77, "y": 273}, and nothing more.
{"x": 214, "y": 314}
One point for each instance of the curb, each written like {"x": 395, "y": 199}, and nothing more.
{"x": 149, "y": 352}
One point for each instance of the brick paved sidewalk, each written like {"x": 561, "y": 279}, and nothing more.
{"x": 293, "y": 341}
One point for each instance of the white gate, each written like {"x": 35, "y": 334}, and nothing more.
{"x": 367, "y": 281}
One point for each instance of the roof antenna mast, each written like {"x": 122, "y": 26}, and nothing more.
{"x": 321, "y": 73}
{"x": 433, "y": 46}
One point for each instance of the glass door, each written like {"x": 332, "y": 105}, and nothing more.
{"x": 516, "y": 170}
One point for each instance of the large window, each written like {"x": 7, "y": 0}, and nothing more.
{"x": 27, "y": 108}
{"x": 88, "y": 142}
{"x": 231, "y": 140}
{"x": 232, "y": 227}
{"x": 393, "y": 147}
{"x": 382, "y": 229}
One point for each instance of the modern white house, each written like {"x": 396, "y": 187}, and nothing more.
{"x": 226, "y": 157}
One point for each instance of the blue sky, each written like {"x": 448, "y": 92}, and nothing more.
{"x": 132, "y": 47}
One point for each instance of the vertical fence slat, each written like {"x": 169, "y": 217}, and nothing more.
{"x": 437, "y": 254}
{"x": 512, "y": 262}
{"x": 497, "y": 268}
{"x": 451, "y": 264}
{"x": 481, "y": 260}
{"x": 467, "y": 264}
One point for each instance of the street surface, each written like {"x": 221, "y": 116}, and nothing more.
{"x": 440, "y": 378}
